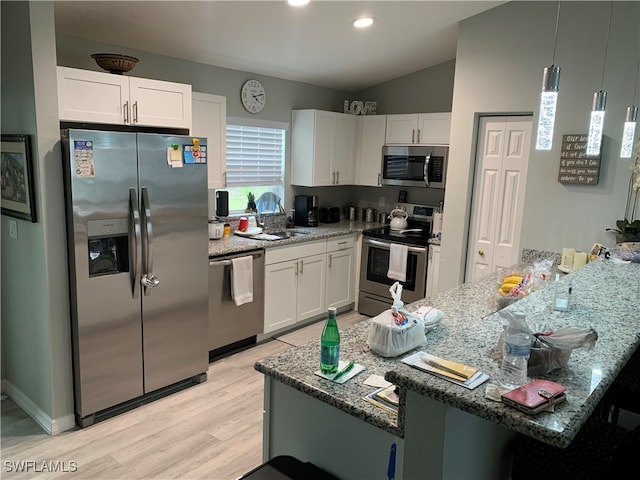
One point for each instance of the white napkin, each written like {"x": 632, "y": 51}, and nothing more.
{"x": 398, "y": 262}
{"x": 242, "y": 280}
{"x": 429, "y": 315}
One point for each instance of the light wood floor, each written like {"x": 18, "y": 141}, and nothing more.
{"x": 212, "y": 430}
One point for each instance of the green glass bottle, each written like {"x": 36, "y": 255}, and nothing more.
{"x": 330, "y": 344}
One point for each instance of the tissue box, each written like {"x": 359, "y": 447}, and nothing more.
{"x": 390, "y": 340}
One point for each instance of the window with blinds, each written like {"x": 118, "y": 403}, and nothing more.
{"x": 255, "y": 163}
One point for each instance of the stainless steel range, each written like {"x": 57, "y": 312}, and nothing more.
{"x": 374, "y": 296}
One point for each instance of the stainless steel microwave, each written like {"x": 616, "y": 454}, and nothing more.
{"x": 415, "y": 166}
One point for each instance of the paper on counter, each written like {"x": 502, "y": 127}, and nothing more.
{"x": 357, "y": 368}
{"x": 415, "y": 360}
{"x": 377, "y": 381}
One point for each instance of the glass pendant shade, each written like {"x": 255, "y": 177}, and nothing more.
{"x": 548, "y": 103}
{"x": 597, "y": 123}
{"x": 629, "y": 132}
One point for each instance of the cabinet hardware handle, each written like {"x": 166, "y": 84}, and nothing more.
{"x": 330, "y": 258}
{"x": 297, "y": 267}
{"x": 481, "y": 253}
{"x": 224, "y": 176}
{"x": 418, "y": 136}
{"x": 126, "y": 111}
{"x": 379, "y": 175}
{"x": 301, "y": 267}
{"x": 413, "y": 136}
{"x": 135, "y": 112}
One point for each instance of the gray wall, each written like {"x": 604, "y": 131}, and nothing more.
{"x": 282, "y": 95}
{"x": 35, "y": 311}
{"x": 499, "y": 62}
{"x": 428, "y": 90}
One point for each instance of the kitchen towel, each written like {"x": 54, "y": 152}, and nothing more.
{"x": 398, "y": 262}
{"x": 437, "y": 223}
{"x": 242, "y": 280}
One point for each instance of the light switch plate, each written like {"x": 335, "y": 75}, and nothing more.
{"x": 13, "y": 229}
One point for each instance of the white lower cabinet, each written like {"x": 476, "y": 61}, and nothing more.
{"x": 433, "y": 270}
{"x": 340, "y": 281}
{"x": 311, "y": 284}
{"x": 294, "y": 284}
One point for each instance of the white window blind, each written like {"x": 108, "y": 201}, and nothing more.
{"x": 255, "y": 155}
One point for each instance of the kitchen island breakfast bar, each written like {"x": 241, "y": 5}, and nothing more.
{"x": 443, "y": 430}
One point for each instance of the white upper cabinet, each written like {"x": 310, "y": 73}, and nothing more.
{"x": 344, "y": 154}
{"x": 96, "y": 97}
{"x": 322, "y": 148}
{"x": 419, "y": 128}
{"x": 210, "y": 121}
{"x": 370, "y": 138}
{"x": 434, "y": 128}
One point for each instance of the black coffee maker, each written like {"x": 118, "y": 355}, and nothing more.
{"x": 306, "y": 207}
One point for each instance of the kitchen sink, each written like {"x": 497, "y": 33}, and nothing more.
{"x": 290, "y": 234}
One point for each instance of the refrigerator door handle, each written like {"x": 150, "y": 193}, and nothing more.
{"x": 134, "y": 245}
{"x": 149, "y": 280}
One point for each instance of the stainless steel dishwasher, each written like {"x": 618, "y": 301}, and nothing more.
{"x": 232, "y": 327}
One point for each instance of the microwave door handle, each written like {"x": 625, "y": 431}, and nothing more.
{"x": 427, "y": 160}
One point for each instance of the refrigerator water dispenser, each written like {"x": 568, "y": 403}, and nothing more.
{"x": 108, "y": 246}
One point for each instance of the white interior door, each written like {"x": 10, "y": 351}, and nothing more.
{"x": 502, "y": 161}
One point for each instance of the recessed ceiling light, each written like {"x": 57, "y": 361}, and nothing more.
{"x": 297, "y": 3}
{"x": 363, "y": 22}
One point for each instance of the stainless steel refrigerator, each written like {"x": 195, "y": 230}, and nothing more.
{"x": 138, "y": 265}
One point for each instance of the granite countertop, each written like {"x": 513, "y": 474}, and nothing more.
{"x": 469, "y": 332}
{"x": 235, "y": 243}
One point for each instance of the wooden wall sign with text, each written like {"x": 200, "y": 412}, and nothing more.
{"x": 575, "y": 166}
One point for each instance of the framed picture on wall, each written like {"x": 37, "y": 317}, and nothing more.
{"x": 18, "y": 199}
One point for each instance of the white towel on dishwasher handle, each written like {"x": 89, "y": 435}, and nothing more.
{"x": 242, "y": 280}
{"x": 398, "y": 262}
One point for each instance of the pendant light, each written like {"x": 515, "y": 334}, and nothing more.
{"x": 630, "y": 120}
{"x": 596, "y": 125}
{"x": 549, "y": 97}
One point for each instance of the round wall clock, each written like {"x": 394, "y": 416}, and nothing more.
{"x": 253, "y": 96}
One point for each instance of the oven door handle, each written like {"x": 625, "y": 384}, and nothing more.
{"x": 387, "y": 246}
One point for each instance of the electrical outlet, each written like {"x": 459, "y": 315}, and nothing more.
{"x": 381, "y": 202}
{"x": 13, "y": 229}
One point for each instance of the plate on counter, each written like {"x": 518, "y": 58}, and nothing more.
{"x": 250, "y": 232}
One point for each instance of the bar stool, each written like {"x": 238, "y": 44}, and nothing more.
{"x": 624, "y": 392}
{"x": 599, "y": 450}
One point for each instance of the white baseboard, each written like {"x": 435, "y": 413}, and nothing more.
{"x": 52, "y": 426}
